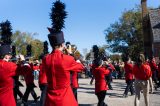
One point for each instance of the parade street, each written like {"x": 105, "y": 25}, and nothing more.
{"x": 80, "y": 53}
{"x": 86, "y": 96}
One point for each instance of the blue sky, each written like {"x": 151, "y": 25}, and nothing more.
{"x": 85, "y": 23}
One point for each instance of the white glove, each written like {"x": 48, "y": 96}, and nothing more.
{"x": 21, "y": 57}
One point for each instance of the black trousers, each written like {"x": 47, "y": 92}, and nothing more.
{"x": 75, "y": 93}
{"x": 158, "y": 82}
{"x": 29, "y": 89}
{"x": 17, "y": 92}
{"x": 154, "y": 77}
{"x": 119, "y": 75}
{"x": 129, "y": 87}
{"x": 101, "y": 96}
{"x": 109, "y": 80}
{"x": 43, "y": 94}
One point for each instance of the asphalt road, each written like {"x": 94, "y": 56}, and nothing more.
{"x": 87, "y": 97}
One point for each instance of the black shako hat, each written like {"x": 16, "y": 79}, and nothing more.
{"x": 98, "y": 61}
{"x": 57, "y": 16}
{"x": 5, "y": 49}
{"x": 55, "y": 38}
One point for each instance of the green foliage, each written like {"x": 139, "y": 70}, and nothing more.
{"x": 115, "y": 57}
{"x": 87, "y": 56}
{"x": 22, "y": 39}
{"x": 125, "y": 36}
{"x": 19, "y": 40}
{"x": 37, "y": 48}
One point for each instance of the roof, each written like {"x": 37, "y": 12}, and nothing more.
{"x": 154, "y": 16}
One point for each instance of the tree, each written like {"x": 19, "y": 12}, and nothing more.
{"x": 37, "y": 48}
{"x": 89, "y": 56}
{"x": 115, "y": 57}
{"x": 125, "y": 36}
{"x": 22, "y": 39}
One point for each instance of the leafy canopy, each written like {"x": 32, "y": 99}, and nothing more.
{"x": 125, "y": 35}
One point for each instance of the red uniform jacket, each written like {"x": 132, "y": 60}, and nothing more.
{"x": 7, "y": 71}
{"x": 100, "y": 82}
{"x": 36, "y": 67}
{"x": 74, "y": 80}
{"x": 57, "y": 67}
{"x": 27, "y": 70}
{"x": 159, "y": 70}
{"x": 112, "y": 67}
{"x": 42, "y": 76}
{"x": 128, "y": 71}
{"x": 153, "y": 66}
{"x": 143, "y": 72}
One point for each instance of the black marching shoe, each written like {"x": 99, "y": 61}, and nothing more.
{"x": 125, "y": 96}
{"x": 35, "y": 100}
{"x": 105, "y": 105}
{"x": 110, "y": 88}
{"x": 132, "y": 94}
{"x": 156, "y": 86}
{"x": 24, "y": 103}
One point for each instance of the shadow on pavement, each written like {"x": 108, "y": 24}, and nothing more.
{"x": 83, "y": 84}
{"x": 91, "y": 92}
{"x": 87, "y": 105}
{"x": 30, "y": 103}
{"x": 115, "y": 95}
{"x": 86, "y": 88}
{"x": 156, "y": 92}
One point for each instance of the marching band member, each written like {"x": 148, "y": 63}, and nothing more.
{"x": 142, "y": 73}
{"x": 128, "y": 68}
{"x": 57, "y": 66}
{"x": 42, "y": 83}
{"x": 99, "y": 72}
{"x": 29, "y": 79}
{"x": 8, "y": 70}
